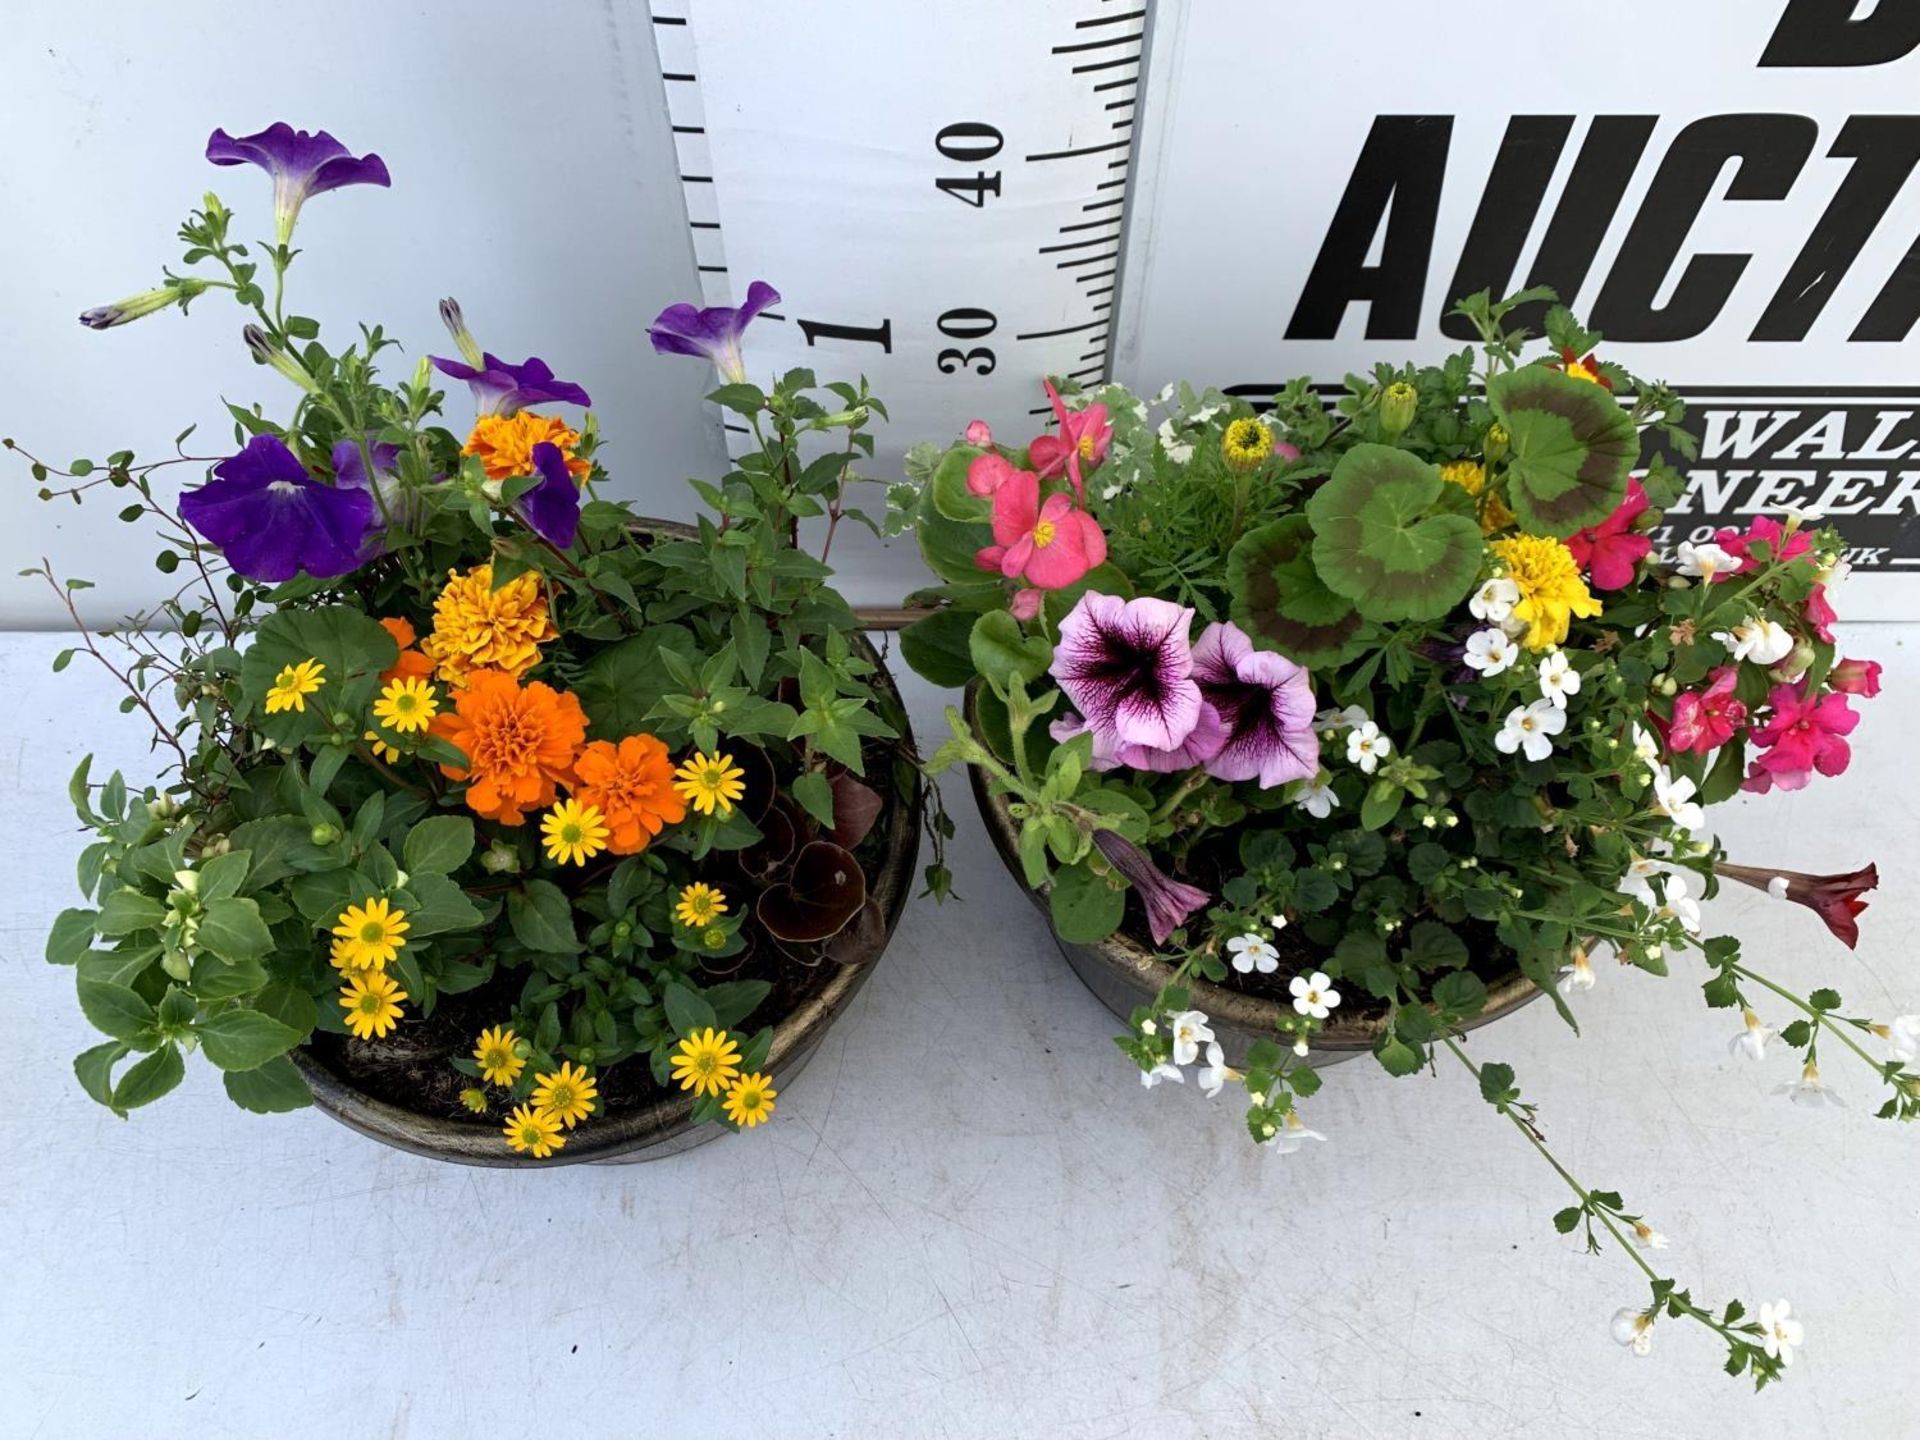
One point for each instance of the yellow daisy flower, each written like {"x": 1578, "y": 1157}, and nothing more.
{"x": 372, "y": 1002}
{"x": 498, "y": 1056}
{"x": 750, "y": 1100}
{"x": 706, "y": 1062}
{"x": 1551, "y": 590}
{"x": 528, "y": 1129}
{"x": 573, "y": 833}
{"x": 475, "y": 1099}
{"x": 710, "y": 783}
{"x": 407, "y": 704}
{"x": 342, "y": 956}
{"x": 700, "y": 905}
{"x": 567, "y": 1094}
{"x": 1246, "y": 444}
{"x": 382, "y": 750}
{"x": 374, "y": 933}
{"x": 292, "y": 686}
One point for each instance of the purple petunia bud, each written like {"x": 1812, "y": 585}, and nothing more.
{"x": 456, "y": 324}
{"x": 1168, "y": 902}
{"x": 266, "y": 352}
{"x": 138, "y": 307}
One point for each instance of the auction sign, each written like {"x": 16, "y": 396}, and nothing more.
{"x": 1725, "y": 189}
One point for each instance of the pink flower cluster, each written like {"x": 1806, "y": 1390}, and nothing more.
{"x": 1043, "y": 542}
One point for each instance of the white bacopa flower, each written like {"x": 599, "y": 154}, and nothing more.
{"x": 1302, "y": 1048}
{"x": 1490, "y": 652}
{"x": 1279, "y": 922}
{"x": 1576, "y": 974}
{"x": 1190, "y": 1032}
{"x": 1367, "y": 747}
{"x": 1317, "y": 798}
{"x": 1558, "y": 680}
{"x": 1673, "y": 798}
{"x": 1493, "y": 602}
{"x": 1165, "y": 1070}
{"x": 1637, "y": 884}
{"x": 1646, "y": 748}
{"x": 1293, "y": 1135}
{"x": 1253, "y": 951}
{"x": 1678, "y": 904}
{"x": 1217, "y": 1071}
{"x": 1903, "y": 1037}
{"x": 1648, "y": 1238}
{"x": 1343, "y": 719}
{"x": 1313, "y": 994}
{"x": 1780, "y": 1333}
{"x": 1634, "y": 1329}
{"x": 1705, "y": 561}
{"x": 1752, "y": 1039}
{"x": 1530, "y": 729}
{"x": 1809, "y": 1089}
{"x": 1834, "y": 575}
{"x": 1761, "y": 642}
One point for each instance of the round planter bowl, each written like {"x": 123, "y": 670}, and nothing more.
{"x": 664, "y": 1125}
{"x": 1124, "y": 974}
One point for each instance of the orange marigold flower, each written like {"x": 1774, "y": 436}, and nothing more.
{"x": 479, "y": 627}
{"x": 505, "y": 443}
{"x": 411, "y": 665}
{"x": 631, "y": 784}
{"x": 519, "y": 741}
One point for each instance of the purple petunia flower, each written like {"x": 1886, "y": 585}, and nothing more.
{"x": 1126, "y": 666}
{"x": 713, "y": 332}
{"x": 1168, "y": 902}
{"x": 301, "y": 164}
{"x": 552, "y": 508}
{"x": 1109, "y": 751}
{"x": 272, "y": 520}
{"x": 1265, "y": 705}
{"x": 503, "y": 388}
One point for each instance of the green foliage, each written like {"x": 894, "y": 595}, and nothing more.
{"x": 1377, "y": 542}
{"x": 1278, "y": 597}
{"x": 1571, "y": 448}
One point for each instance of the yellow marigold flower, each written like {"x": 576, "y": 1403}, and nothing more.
{"x": 475, "y": 1099}
{"x": 1551, "y": 590}
{"x": 528, "y": 1129}
{"x": 699, "y": 905}
{"x": 1246, "y": 444}
{"x": 1580, "y": 370}
{"x": 505, "y": 443}
{"x": 706, "y": 1062}
{"x": 573, "y": 833}
{"x": 710, "y": 783}
{"x": 498, "y": 1055}
{"x": 750, "y": 1100}
{"x": 292, "y": 686}
{"x": 374, "y": 933}
{"x": 476, "y": 627}
{"x": 567, "y": 1094}
{"x": 382, "y": 750}
{"x": 372, "y": 1002}
{"x": 1471, "y": 476}
{"x": 407, "y": 705}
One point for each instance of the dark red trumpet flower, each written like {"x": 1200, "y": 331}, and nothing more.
{"x": 1836, "y": 899}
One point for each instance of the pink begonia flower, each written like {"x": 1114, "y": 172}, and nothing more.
{"x": 1025, "y": 603}
{"x": 1819, "y": 614}
{"x": 1705, "y": 719}
{"x": 1856, "y": 677}
{"x": 979, "y": 433}
{"x": 1834, "y": 898}
{"x": 1050, "y": 544}
{"x": 1609, "y": 551}
{"x": 1801, "y": 735}
{"x": 1764, "y": 531}
{"x": 1285, "y": 450}
{"x": 989, "y": 472}
{"x": 1083, "y": 440}
{"x": 1265, "y": 706}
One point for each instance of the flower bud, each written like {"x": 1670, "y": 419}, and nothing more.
{"x": 1494, "y": 445}
{"x": 138, "y": 307}
{"x": 979, "y": 433}
{"x": 218, "y": 845}
{"x": 500, "y": 858}
{"x": 1398, "y": 405}
{"x": 1799, "y": 660}
{"x": 324, "y": 834}
{"x": 165, "y": 807}
{"x": 267, "y": 352}
{"x": 175, "y": 963}
{"x": 456, "y": 324}
{"x": 475, "y": 1099}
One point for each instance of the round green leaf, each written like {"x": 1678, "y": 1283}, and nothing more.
{"x": 1085, "y": 908}
{"x": 1571, "y": 448}
{"x": 1000, "y": 652}
{"x": 1279, "y": 598}
{"x": 244, "y": 1039}
{"x": 1378, "y": 542}
{"x": 352, "y": 645}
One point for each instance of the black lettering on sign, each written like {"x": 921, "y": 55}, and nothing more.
{"x": 1824, "y": 33}
{"x": 1884, "y": 150}
{"x": 1400, "y": 169}
{"x": 881, "y": 334}
{"x": 1771, "y": 150}
{"x": 1516, "y": 185}
{"x": 1897, "y": 306}
{"x": 967, "y": 323}
{"x": 971, "y": 141}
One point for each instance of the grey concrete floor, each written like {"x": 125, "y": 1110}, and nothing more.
{"x": 967, "y": 1218}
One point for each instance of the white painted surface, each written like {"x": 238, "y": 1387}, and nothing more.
{"x": 967, "y": 1220}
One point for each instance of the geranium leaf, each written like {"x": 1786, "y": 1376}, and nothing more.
{"x": 1378, "y": 542}
{"x": 352, "y": 645}
{"x": 1571, "y": 447}
{"x": 626, "y": 680}
{"x": 1279, "y": 598}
